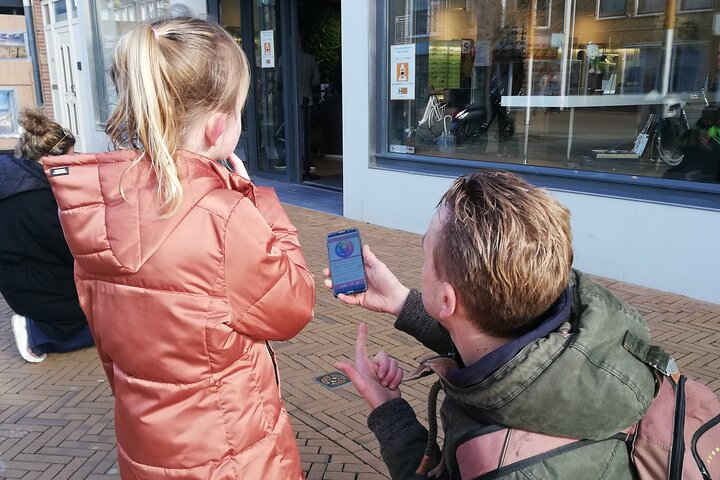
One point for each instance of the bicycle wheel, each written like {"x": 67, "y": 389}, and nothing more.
{"x": 507, "y": 129}
{"x": 669, "y": 131}
{"x": 462, "y": 131}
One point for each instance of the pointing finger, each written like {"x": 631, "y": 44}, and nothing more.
{"x": 349, "y": 370}
{"x": 361, "y": 344}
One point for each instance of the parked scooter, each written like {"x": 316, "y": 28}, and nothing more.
{"x": 470, "y": 124}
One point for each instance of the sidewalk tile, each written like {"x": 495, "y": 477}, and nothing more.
{"x": 56, "y": 417}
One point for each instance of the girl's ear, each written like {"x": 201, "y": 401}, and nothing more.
{"x": 215, "y": 127}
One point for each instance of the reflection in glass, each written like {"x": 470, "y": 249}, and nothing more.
{"x": 269, "y": 89}
{"x": 8, "y": 114}
{"x": 587, "y": 92}
{"x": 60, "y": 9}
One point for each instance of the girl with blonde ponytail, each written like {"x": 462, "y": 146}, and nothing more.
{"x": 184, "y": 268}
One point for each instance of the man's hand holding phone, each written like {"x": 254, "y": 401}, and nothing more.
{"x": 384, "y": 291}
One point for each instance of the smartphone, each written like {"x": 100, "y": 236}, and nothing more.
{"x": 347, "y": 268}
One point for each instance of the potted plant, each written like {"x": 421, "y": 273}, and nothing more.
{"x": 595, "y": 74}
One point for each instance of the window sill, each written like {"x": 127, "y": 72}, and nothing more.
{"x": 680, "y": 193}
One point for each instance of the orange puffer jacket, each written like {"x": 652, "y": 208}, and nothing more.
{"x": 181, "y": 309}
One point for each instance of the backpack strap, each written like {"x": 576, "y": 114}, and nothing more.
{"x": 506, "y": 450}
{"x": 440, "y": 365}
{"x": 652, "y": 355}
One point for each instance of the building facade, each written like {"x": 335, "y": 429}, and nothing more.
{"x": 610, "y": 104}
{"x": 19, "y": 83}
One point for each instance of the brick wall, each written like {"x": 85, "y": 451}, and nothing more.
{"x": 43, "y": 58}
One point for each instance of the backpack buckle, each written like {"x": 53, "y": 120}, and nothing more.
{"x": 430, "y": 364}
{"x": 651, "y": 355}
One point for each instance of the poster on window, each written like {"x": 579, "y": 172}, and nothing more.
{"x": 267, "y": 45}
{"x": 402, "y": 72}
{"x": 482, "y": 53}
{"x": 444, "y": 61}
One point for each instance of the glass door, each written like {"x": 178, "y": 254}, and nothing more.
{"x": 264, "y": 143}
{"x": 233, "y": 19}
{"x": 273, "y": 132}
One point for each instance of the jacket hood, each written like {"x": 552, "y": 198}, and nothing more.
{"x": 577, "y": 381}
{"x": 113, "y": 234}
{"x": 18, "y": 175}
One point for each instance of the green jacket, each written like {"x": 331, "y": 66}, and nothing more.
{"x": 575, "y": 381}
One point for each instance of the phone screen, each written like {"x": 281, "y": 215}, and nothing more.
{"x": 346, "y": 262}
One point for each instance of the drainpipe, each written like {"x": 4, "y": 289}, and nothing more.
{"x": 32, "y": 46}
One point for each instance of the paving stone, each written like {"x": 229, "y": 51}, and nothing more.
{"x": 57, "y": 422}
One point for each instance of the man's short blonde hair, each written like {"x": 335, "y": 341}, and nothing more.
{"x": 506, "y": 247}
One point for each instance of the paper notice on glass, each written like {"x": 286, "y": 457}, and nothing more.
{"x": 402, "y": 72}
{"x": 267, "y": 45}
{"x": 482, "y": 53}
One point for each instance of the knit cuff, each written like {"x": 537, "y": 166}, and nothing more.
{"x": 413, "y": 318}
{"x": 390, "y": 420}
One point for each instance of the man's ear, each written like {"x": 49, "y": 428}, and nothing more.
{"x": 448, "y": 301}
{"x": 215, "y": 127}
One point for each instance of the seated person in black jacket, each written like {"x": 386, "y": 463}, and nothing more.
{"x": 36, "y": 267}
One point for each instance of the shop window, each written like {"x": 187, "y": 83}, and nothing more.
{"x": 465, "y": 90}
{"x": 611, "y": 8}
{"x": 8, "y": 114}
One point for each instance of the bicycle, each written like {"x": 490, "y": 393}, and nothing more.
{"x": 434, "y": 112}
{"x": 668, "y": 127}
{"x": 662, "y": 132}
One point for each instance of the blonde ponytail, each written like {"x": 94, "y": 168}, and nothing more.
{"x": 168, "y": 74}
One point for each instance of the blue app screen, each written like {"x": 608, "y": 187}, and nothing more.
{"x": 346, "y": 263}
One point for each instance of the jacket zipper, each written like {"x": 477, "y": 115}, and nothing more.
{"x": 272, "y": 358}
{"x": 678, "y": 445}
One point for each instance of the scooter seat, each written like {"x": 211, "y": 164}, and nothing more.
{"x": 473, "y": 106}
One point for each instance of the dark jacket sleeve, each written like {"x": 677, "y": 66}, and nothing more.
{"x": 402, "y": 439}
{"x": 414, "y": 320}
{"x": 50, "y": 233}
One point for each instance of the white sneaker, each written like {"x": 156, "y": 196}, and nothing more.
{"x": 19, "y": 326}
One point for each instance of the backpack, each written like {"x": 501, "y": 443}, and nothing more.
{"x": 678, "y": 438}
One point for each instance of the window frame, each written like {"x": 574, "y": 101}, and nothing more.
{"x": 549, "y": 15}
{"x": 638, "y": 13}
{"x": 598, "y": 16}
{"x": 14, "y": 110}
{"x": 679, "y": 9}
{"x": 688, "y": 10}
{"x": 662, "y": 191}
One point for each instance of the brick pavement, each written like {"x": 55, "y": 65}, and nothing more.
{"x": 56, "y": 417}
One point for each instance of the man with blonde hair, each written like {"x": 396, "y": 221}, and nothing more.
{"x": 526, "y": 342}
